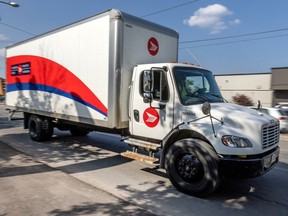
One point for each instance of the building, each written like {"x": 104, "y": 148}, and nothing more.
{"x": 270, "y": 88}
{"x": 2, "y": 86}
{"x": 279, "y": 85}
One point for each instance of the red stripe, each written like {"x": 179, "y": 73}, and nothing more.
{"x": 50, "y": 73}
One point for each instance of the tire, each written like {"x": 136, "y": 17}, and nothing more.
{"x": 76, "y": 131}
{"x": 39, "y": 129}
{"x": 192, "y": 167}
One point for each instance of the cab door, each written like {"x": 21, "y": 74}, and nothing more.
{"x": 151, "y": 109}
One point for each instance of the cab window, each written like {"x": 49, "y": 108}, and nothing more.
{"x": 154, "y": 81}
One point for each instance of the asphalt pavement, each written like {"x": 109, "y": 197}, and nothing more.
{"x": 29, "y": 187}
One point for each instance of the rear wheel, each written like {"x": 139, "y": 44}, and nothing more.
{"x": 192, "y": 167}
{"x": 40, "y": 129}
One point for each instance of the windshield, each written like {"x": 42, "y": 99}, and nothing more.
{"x": 196, "y": 86}
{"x": 284, "y": 112}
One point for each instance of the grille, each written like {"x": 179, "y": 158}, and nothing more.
{"x": 270, "y": 135}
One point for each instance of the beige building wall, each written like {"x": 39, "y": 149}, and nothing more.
{"x": 255, "y": 86}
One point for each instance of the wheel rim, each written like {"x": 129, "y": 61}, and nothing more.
{"x": 189, "y": 168}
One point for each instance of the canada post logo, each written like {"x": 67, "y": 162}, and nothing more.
{"x": 151, "y": 117}
{"x": 153, "y": 46}
{"x": 21, "y": 69}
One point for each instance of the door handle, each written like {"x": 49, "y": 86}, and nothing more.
{"x": 136, "y": 115}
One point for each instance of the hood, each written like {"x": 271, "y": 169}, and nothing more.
{"x": 237, "y": 121}
{"x": 241, "y": 117}
{"x": 232, "y": 114}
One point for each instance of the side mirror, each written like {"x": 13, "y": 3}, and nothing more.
{"x": 206, "y": 108}
{"x": 147, "y": 87}
{"x": 147, "y": 82}
{"x": 147, "y": 97}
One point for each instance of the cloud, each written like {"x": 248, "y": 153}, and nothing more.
{"x": 212, "y": 18}
{"x": 235, "y": 22}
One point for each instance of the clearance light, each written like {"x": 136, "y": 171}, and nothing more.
{"x": 236, "y": 142}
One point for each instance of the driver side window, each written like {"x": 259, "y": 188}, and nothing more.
{"x": 157, "y": 85}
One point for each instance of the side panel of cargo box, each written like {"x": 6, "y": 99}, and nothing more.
{"x": 64, "y": 73}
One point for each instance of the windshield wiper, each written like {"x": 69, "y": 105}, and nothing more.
{"x": 203, "y": 98}
{"x": 218, "y": 96}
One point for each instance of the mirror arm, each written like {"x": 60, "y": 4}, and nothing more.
{"x": 206, "y": 109}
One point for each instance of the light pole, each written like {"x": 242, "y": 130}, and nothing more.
{"x": 13, "y": 4}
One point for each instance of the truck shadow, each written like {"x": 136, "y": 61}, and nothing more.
{"x": 68, "y": 154}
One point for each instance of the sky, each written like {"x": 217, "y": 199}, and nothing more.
{"x": 225, "y": 36}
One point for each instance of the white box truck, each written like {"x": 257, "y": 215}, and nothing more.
{"x": 117, "y": 73}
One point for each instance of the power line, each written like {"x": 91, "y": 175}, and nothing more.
{"x": 171, "y": 8}
{"x": 239, "y": 41}
{"x": 17, "y": 28}
{"x": 234, "y": 36}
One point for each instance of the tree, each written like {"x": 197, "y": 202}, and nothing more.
{"x": 243, "y": 100}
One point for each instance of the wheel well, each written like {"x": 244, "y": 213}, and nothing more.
{"x": 182, "y": 134}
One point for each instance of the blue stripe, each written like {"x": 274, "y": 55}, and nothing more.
{"x": 45, "y": 88}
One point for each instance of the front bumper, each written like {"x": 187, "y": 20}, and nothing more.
{"x": 252, "y": 166}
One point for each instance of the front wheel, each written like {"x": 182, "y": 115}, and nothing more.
{"x": 192, "y": 167}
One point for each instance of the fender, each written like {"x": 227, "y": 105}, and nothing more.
{"x": 175, "y": 135}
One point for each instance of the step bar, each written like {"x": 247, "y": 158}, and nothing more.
{"x": 142, "y": 144}
{"x": 140, "y": 157}
{"x": 151, "y": 148}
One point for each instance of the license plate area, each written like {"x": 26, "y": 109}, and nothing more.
{"x": 270, "y": 160}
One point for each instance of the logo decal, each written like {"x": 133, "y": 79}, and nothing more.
{"x": 21, "y": 69}
{"x": 151, "y": 117}
{"x": 153, "y": 46}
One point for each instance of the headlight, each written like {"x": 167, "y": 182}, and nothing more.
{"x": 236, "y": 142}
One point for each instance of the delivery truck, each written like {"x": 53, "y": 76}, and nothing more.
{"x": 116, "y": 73}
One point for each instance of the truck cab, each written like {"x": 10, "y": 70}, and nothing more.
{"x": 173, "y": 91}
{"x": 178, "y": 108}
